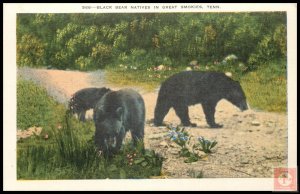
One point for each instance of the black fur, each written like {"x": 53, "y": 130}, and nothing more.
{"x": 191, "y": 87}
{"x": 116, "y": 113}
{"x": 85, "y": 99}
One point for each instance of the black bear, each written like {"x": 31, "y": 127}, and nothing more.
{"x": 192, "y": 87}
{"x": 85, "y": 99}
{"x": 116, "y": 113}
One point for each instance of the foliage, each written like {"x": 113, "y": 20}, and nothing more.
{"x": 206, "y": 145}
{"x": 97, "y": 40}
{"x": 266, "y": 88}
{"x": 182, "y": 138}
{"x": 35, "y": 107}
{"x": 71, "y": 154}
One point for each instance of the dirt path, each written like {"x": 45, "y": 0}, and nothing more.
{"x": 250, "y": 144}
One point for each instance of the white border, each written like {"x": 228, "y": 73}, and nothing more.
{"x": 9, "y": 138}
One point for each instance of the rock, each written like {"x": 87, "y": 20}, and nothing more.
{"x": 269, "y": 132}
{"x": 163, "y": 144}
{"x": 174, "y": 152}
{"x": 250, "y": 130}
{"x": 240, "y": 121}
{"x": 255, "y": 123}
{"x": 268, "y": 157}
{"x": 229, "y": 74}
{"x": 244, "y": 161}
{"x": 235, "y": 115}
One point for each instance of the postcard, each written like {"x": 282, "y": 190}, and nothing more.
{"x": 150, "y": 96}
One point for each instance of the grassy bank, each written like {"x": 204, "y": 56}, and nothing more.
{"x": 69, "y": 152}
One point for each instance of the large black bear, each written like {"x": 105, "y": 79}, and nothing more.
{"x": 192, "y": 87}
{"x": 85, "y": 99}
{"x": 116, "y": 113}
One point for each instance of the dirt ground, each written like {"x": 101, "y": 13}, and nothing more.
{"x": 250, "y": 144}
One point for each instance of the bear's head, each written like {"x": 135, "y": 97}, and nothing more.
{"x": 237, "y": 96}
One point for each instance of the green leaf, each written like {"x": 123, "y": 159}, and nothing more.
{"x": 139, "y": 160}
{"x": 122, "y": 174}
{"x": 145, "y": 163}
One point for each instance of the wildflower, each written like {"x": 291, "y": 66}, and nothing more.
{"x": 173, "y": 138}
{"x": 184, "y": 138}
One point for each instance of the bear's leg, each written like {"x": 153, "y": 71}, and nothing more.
{"x": 119, "y": 141}
{"x": 160, "y": 112}
{"x": 182, "y": 112}
{"x": 209, "y": 111}
{"x": 82, "y": 115}
{"x": 137, "y": 135}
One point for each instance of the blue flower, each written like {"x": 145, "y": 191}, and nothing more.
{"x": 173, "y": 138}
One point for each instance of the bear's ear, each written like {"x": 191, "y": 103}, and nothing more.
{"x": 119, "y": 112}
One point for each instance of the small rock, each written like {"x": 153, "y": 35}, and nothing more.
{"x": 268, "y": 157}
{"x": 244, "y": 161}
{"x": 235, "y": 115}
{"x": 250, "y": 130}
{"x": 255, "y": 123}
{"x": 174, "y": 152}
{"x": 163, "y": 144}
{"x": 229, "y": 74}
{"x": 269, "y": 132}
{"x": 240, "y": 121}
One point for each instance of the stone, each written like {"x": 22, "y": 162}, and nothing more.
{"x": 269, "y": 132}
{"x": 255, "y": 123}
{"x": 163, "y": 144}
{"x": 244, "y": 161}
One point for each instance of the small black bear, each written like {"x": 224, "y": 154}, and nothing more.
{"x": 116, "y": 113}
{"x": 85, "y": 99}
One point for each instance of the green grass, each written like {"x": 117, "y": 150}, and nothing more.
{"x": 70, "y": 155}
{"x": 265, "y": 88}
{"x": 69, "y": 152}
{"x": 149, "y": 80}
{"x": 35, "y": 107}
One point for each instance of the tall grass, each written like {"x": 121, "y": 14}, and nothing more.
{"x": 69, "y": 151}
{"x": 70, "y": 155}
